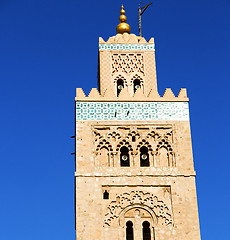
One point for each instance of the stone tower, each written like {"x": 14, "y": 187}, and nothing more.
{"x": 135, "y": 177}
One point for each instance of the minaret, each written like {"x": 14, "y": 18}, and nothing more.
{"x": 135, "y": 177}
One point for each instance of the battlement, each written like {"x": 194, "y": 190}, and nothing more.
{"x": 126, "y": 38}
{"x": 126, "y": 42}
{"x": 138, "y": 96}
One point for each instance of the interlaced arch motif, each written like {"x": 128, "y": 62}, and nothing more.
{"x": 124, "y": 143}
{"x": 104, "y": 143}
{"x": 168, "y": 157}
{"x": 164, "y": 143}
{"x": 127, "y": 63}
{"x": 138, "y": 199}
{"x": 146, "y": 144}
{"x": 97, "y": 135}
{"x": 114, "y": 135}
{"x": 158, "y": 141}
{"x": 133, "y": 134}
{"x": 154, "y": 135}
{"x": 168, "y": 135}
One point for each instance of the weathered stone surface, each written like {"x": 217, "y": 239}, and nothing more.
{"x": 158, "y": 188}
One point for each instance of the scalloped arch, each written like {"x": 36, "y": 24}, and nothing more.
{"x": 164, "y": 143}
{"x": 104, "y": 143}
{"x": 145, "y": 143}
{"x": 126, "y": 143}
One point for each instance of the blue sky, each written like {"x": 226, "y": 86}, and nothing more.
{"x": 48, "y": 48}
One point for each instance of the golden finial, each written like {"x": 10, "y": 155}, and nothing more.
{"x": 123, "y": 27}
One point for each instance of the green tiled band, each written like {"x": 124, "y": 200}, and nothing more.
{"x": 128, "y": 47}
{"x": 131, "y": 111}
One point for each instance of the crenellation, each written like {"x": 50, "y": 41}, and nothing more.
{"x": 182, "y": 94}
{"x": 94, "y": 94}
{"x": 126, "y": 38}
{"x": 153, "y": 96}
{"x": 168, "y": 94}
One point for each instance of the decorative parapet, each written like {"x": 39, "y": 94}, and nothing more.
{"x": 124, "y": 96}
{"x": 127, "y": 42}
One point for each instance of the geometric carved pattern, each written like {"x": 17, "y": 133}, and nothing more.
{"x": 124, "y": 143}
{"x": 165, "y": 144}
{"x": 114, "y": 135}
{"x": 127, "y": 63}
{"x": 104, "y": 143}
{"x": 156, "y": 140}
{"x": 133, "y": 134}
{"x": 146, "y": 144}
{"x": 108, "y": 111}
{"x": 138, "y": 199}
{"x": 154, "y": 135}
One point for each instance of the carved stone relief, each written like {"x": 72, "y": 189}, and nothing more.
{"x": 127, "y": 63}
{"x": 158, "y": 140}
{"x": 157, "y": 209}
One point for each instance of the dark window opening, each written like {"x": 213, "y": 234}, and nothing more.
{"x": 105, "y": 195}
{"x": 146, "y": 231}
{"x": 133, "y": 139}
{"x": 120, "y": 86}
{"x": 136, "y": 85}
{"x": 129, "y": 230}
{"x": 124, "y": 157}
{"x": 144, "y": 157}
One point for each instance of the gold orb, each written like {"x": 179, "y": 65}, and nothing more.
{"x": 123, "y": 27}
{"x": 122, "y": 12}
{"x": 122, "y": 18}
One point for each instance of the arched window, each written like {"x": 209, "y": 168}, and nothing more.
{"x": 136, "y": 84}
{"x": 124, "y": 157}
{"x": 146, "y": 231}
{"x": 163, "y": 157}
{"x": 129, "y": 230}
{"x": 144, "y": 157}
{"x": 120, "y": 85}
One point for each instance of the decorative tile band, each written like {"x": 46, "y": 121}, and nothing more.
{"x": 131, "y": 111}
{"x": 127, "y": 47}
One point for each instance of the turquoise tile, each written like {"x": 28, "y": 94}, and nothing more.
{"x": 137, "y": 111}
